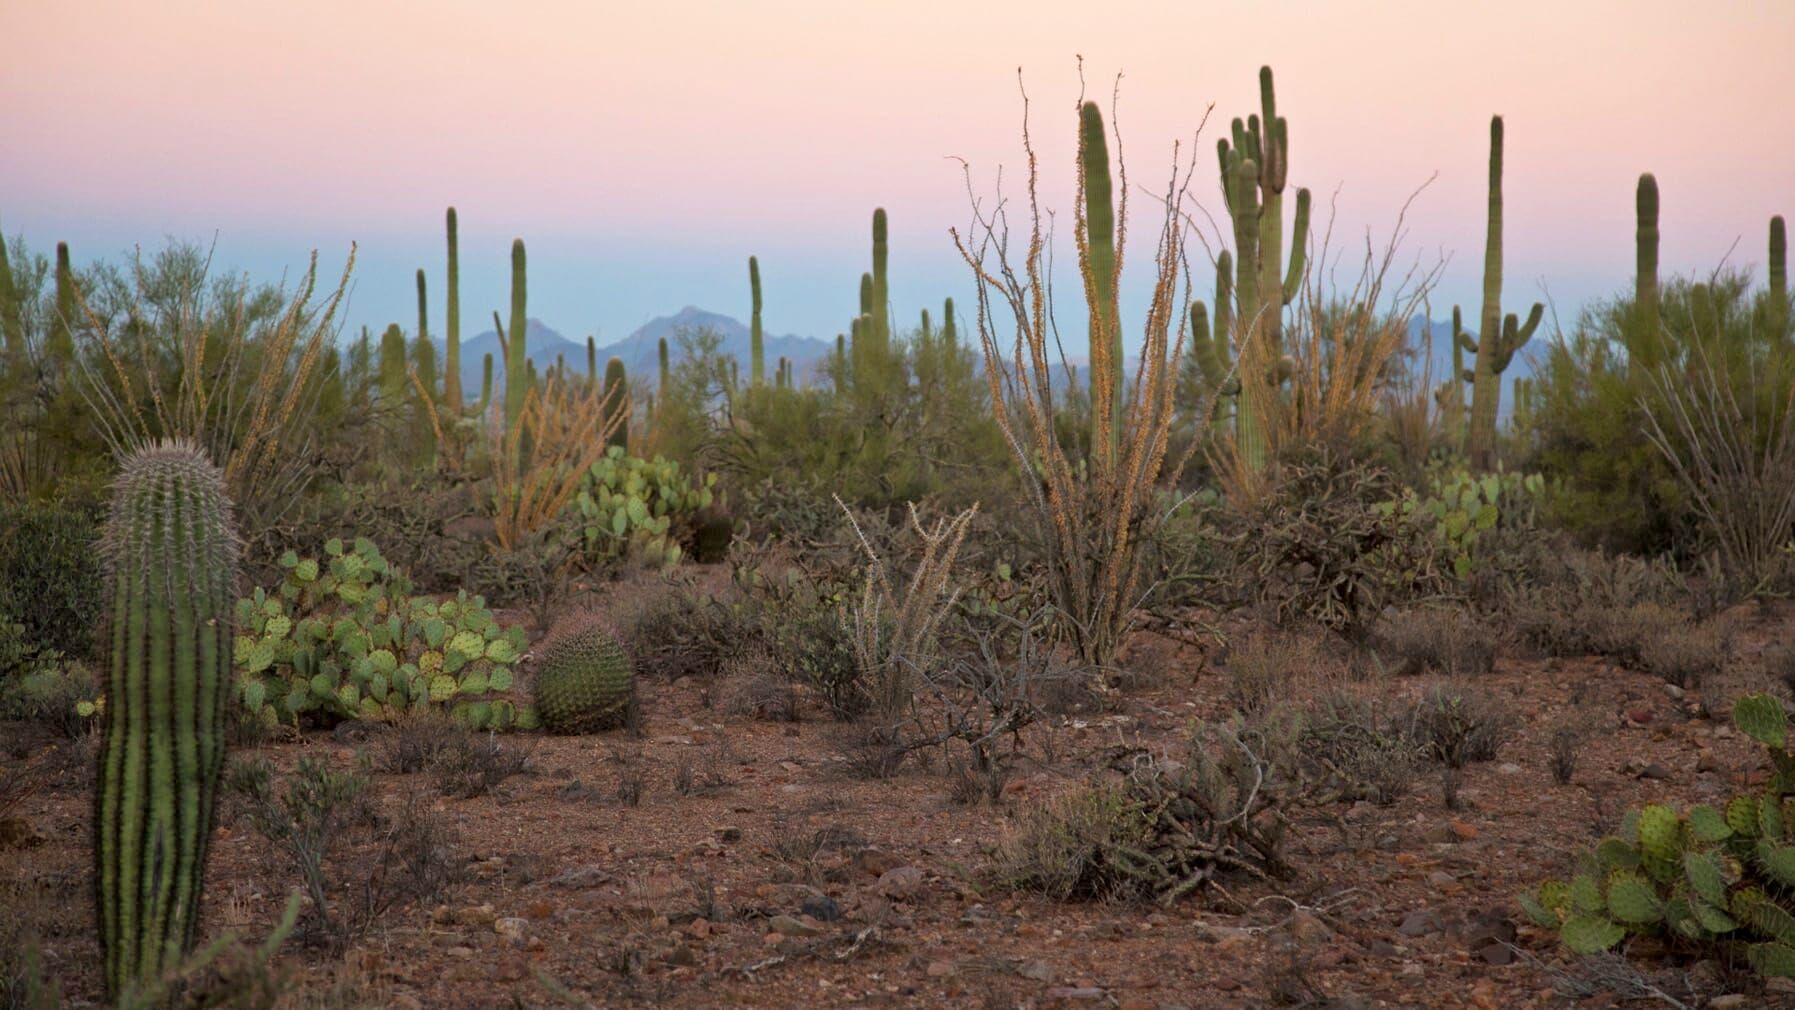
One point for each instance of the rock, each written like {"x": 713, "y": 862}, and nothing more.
{"x": 683, "y": 956}
{"x": 405, "y": 1001}
{"x": 789, "y": 926}
{"x": 1673, "y": 690}
{"x": 899, "y": 883}
{"x": 476, "y": 915}
{"x": 590, "y": 875}
{"x": 1441, "y": 879}
{"x": 1707, "y": 761}
{"x": 699, "y": 927}
{"x": 512, "y": 928}
{"x": 1730, "y": 1001}
{"x": 1075, "y": 993}
{"x": 1420, "y": 922}
{"x": 875, "y": 863}
{"x": 1464, "y": 831}
{"x": 821, "y": 907}
{"x": 1509, "y": 768}
{"x": 1654, "y": 772}
{"x": 942, "y": 969}
{"x": 1038, "y": 971}
{"x": 1306, "y": 929}
{"x": 461, "y": 953}
{"x": 1440, "y": 834}
{"x": 1640, "y": 716}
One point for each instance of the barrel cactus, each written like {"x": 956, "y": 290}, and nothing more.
{"x": 584, "y": 681}
{"x": 171, "y": 559}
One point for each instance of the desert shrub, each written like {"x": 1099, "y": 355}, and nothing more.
{"x": 1463, "y": 506}
{"x": 1451, "y": 643}
{"x": 675, "y": 633}
{"x": 798, "y": 511}
{"x": 1681, "y": 652}
{"x": 475, "y": 763}
{"x": 1163, "y": 829}
{"x": 1712, "y": 881}
{"x": 1352, "y": 751}
{"x": 50, "y": 575}
{"x": 1563, "y": 600}
{"x": 1263, "y": 669}
{"x": 353, "y": 861}
{"x": 1564, "y": 747}
{"x": 346, "y": 639}
{"x": 21, "y": 656}
{"x": 429, "y": 529}
{"x": 631, "y": 507}
{"x": 67, "y": 697}
{"x": 1322, "y": 545}
{"x": 1457, "y": 726}
{"x": 817, "y": 647}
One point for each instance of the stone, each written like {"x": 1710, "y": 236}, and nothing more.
{"x": 790, "y": 926}
{"x": 899, "y": 883}
{"x": 1420, "y": 922}
{"x": 512, "y": 928}
{"x": 1728, "y": 1001}
{"x": 821, "y": 907}
{"x": 476, "y": 915}
{"x": 1038, "y": 971}
{"x": 590, "y": 875}
{"x": 942, "y": 969}
{"x": 1076, "y": 993}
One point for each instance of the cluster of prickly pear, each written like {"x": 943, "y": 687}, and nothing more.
{"x": 346, "y": 639}
{"x": 640, "y": 507}
{"x": 584, "y": 681}
{"x": 1710, "y": 876}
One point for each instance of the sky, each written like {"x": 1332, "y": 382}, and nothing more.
{"x": 644, "y": 151}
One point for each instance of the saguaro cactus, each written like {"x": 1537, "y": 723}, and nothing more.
{"x": 1642, "y": 342}
{"x": 1498, "y": 337}
{"x": 1095, "y": 233}
{"x": 424, "y": 352}
{"x": 517, "y": 360}
{"x": 757, "y": 347}
{"x": 591, "y": 362}
{"x": 881, "y": 293}
{"x": 452, "y": 324}
{"x": 666, "y": 368}
{"x": 1209, "y": 357}
{"x": 1778, "y": 269}
{"x": 393, "y": 381}
{"x": 60, "y": 344}
{"x": 12, "y": 325}
{"x": 1254, "y": 166}
{"x": 950, "y": 336}
{"x": 616, "y": 403}
{"x": 171, "y": 559}
{"x": 485, "y": 383}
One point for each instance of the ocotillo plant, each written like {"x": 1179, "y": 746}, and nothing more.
{"x": 757, "y": 347}
{"x": 171, "y": 560}
{"x": 1498, "y": 337}
{"x": 517, "y": 361}
{"x": 616, "y": 403}
{"x": 1099, "y": 261}
{"x": 1643, "y": 338}
{"x": 452, "y": 324}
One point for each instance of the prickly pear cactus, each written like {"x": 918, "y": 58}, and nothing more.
{"x": 346, "y": 639}
{"x": 640, "y": 508}
{"x": 584, "y": 682}
{"x": 1716, "y": 880}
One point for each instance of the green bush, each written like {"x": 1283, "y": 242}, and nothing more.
{"x": 346, "y": 639}
{"x": 1711, "y": 880}
{"x": 645, "y": 509}
{"x": 50, "y": 575}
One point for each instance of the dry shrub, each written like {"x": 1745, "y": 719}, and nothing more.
{"x": 1264, "y": 669}
{"x": 1354, "y": 753}
{"x": 562, "y": 429}
{"x": 1451, "y": 643}
{"x": 1456, "y": 726}
{"x": 674, "y": 634}
{"x": 753, "y": 686}
{"x": 1683, "y": 653}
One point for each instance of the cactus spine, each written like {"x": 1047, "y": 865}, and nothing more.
{"x": 452, "y": 324}
{"x": 1642, "y": 347}
{"x": 1098, "y": 261}
{"x": 616, "y": 404}
{"x": 517, "y": 361}
{"x": 757, "y": 346}
{"x": 1498, "y": 337}
{"x": 171, "y": 558}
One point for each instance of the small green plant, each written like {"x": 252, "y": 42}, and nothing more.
{"x": 1463, "y": 506}
{"x": 346, "y": 639}
{"x": 584, "y": 681}
{"x": 1712, "y": 879}
{"x": 635, "y": 507}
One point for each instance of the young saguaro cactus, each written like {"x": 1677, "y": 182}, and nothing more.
{"x": 517, "y": 359}
{"x": 1498, "y": 337}
{"x": 1642, "y": 343}
{"x": 171, "y": 561}
{"x": 757, "y": 341}
{"x": 452, "y": 323}
{"x": 616, "y": 404}
{"x": 1779, "y": 277}
{"x": 1100, "y": 262}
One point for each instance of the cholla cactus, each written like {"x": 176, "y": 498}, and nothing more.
{"x": 171, "y": 557}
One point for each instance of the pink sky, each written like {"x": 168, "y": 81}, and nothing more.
{"x": 648, "y": 149}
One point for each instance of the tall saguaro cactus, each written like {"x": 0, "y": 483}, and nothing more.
{"x": 1643, "y": 341}
{"x": 517, "y": 360}
{"x": 757, "y": 345}
{"x": 1255, "y": 164}
{"x": 1498, "y": 337}
{"x": 424, "y": 349}
{"x": 881, "y": 292}
{"x": 950, "y": 336}
{"x": 666, "y": 366}
{"x": 1100, "y": 262}
{"x": 171, "y": 559}
{"x": 1778, "y": 270}
{"x": 60, "y": 345}
{"x": 452, "y": 323}
{"x": 12, "y": 323}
